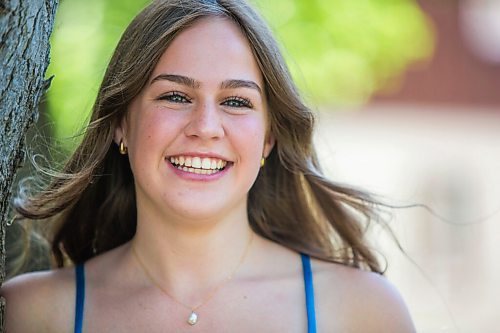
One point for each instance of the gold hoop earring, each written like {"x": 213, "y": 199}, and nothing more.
{"x": 122, "y": 148}
{"x": 262, "y": 162}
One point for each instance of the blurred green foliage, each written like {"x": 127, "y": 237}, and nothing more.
{"x": 339, "y": 51}
{"x": 342, "y": 51}
{"x": 85, "y": 35}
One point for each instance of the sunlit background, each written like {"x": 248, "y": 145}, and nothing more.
{"x": 408, "y": 101}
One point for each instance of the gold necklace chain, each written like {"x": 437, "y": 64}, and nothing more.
{"x": 193, "y": 317}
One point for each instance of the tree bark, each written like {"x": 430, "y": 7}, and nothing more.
{"x": 25, "y": 28}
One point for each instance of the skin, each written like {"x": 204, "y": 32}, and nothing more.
{"x": 193, "y": 230}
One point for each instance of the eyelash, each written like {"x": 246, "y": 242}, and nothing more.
{"x": 243, "y": 102}
{"x": 174, "y": 94}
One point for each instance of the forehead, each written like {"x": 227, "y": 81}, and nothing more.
{"x": 212, "y": 49}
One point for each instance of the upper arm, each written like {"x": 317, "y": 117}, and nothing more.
{"x": 37, "y": 302}
{"x": 383, "y": 308}
{"x": 351, "y": 300}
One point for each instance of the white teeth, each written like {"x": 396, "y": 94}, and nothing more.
{"x": 206, "y": 163}
{"x": 203, "y": 163}
{"x": 197, "y": 171}
{"x": 196, "y": 162}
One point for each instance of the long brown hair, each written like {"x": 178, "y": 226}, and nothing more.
{"x": 91, "y": 202}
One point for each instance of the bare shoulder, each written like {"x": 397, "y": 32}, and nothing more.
{"x": 353, "y": 300}
{"x": 40, "y": 301}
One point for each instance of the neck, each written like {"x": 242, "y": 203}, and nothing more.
{"x": 188, "y": 258}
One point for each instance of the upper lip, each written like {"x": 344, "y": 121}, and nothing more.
{"x": 202, "y": 155}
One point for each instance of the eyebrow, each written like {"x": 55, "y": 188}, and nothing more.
{"x": 233, "y": 84}
{"x": 180, "y": 79}
{"x": 192, "y": 83}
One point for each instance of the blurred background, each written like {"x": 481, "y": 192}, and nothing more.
{"x": 408, "y": 102}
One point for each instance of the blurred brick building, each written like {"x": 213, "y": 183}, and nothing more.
{"x": 465, "y": 67}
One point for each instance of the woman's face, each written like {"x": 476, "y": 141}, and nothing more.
{"x": 198, "y": 130}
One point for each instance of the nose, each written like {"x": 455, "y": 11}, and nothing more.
{"x": 205, "y": 122}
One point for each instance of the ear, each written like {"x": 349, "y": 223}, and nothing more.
{"x": 268, "y": 145}
{"x": 121, "y": 132}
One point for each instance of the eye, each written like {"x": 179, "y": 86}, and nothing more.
{"x": 237, "y": 102}
{"x": 175, "y": 97}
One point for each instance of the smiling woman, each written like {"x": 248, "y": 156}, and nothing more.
{"x": 195, "y": 200}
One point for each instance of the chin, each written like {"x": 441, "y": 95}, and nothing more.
{"x": 206, "y": 212}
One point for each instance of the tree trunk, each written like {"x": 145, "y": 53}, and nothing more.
{"x": 25, "y": 28}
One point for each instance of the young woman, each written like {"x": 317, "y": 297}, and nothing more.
{"x": 195, "y": 201}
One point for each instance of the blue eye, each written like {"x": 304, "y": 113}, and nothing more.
{"x": 175, "y": 97}
{"x": 237, "y": 102}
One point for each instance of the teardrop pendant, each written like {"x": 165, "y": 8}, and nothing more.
{"x": 193, "y": 318}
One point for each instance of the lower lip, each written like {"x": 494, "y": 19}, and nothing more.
{"x": 198, "y": 177}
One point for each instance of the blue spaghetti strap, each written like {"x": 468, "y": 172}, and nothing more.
{"x": 80, "y": 297}
{"x": 308, "y": 284}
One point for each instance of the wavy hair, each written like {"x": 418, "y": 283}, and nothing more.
{"x": 91, "y": 202}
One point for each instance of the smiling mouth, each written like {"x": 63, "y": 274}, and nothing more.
{"x": 198, "y": 165}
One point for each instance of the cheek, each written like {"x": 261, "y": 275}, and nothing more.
{"x": 249, "y": 135}
{"x": 149, "y": 137}
{"x": 153, "y": 128}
